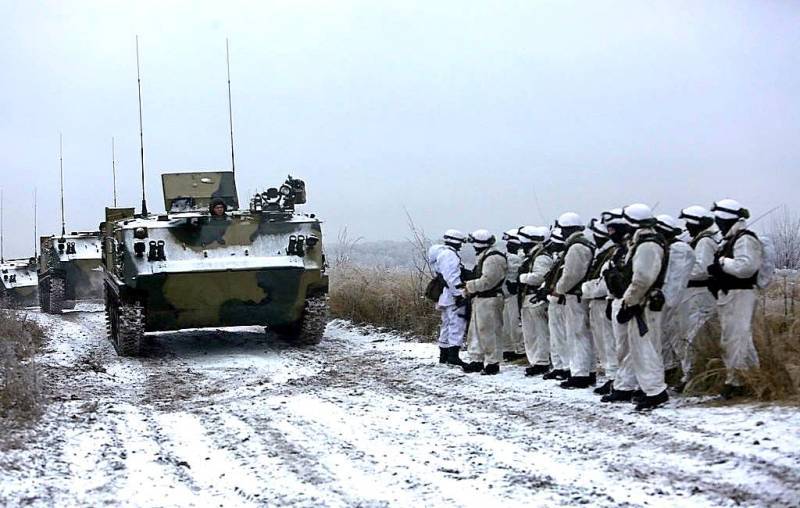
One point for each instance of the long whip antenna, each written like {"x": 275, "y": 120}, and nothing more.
{"x": 2, "y": 257}
{"x": 230, "y": 106}
{"x": 35, "y": 225}
{"x": 141, "y": 136}
{"x": 61, "y": 170}
{"x": 114, "y": 171}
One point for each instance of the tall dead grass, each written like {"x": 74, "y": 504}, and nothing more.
{"x": 20, "y": 338}
{"x": 388, "y": 298}
{"x": 777, "y": 378}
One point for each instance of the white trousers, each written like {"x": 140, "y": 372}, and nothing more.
{"x": 536, "y": 333}
{"x": 645, "y": 354}
{"x": 736, "y": 311}
{"x": 625, "y": 379}
{"x": 454, "y": 326}
{"x": 512, "y": 328}
{"x": 603, "y": 335}
{"x": 558, "y": 336}
{"x": 485, "y": 328}
{"x": 579, "y": 338}
{"x": 697, "y": 308}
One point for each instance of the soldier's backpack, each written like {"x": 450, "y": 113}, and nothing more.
{"x": 435, "y": 288}
{"x": 768, "y": 260}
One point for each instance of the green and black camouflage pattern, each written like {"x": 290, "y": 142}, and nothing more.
{"x": 191, "y": 270}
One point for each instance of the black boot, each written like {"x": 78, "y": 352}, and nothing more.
{"x": 555, "y": 374}
{"x": 576, "y": 382}
{"x": 563, "y": 375}
{"x": 472, "y": 367}
{"x": 507, "y": 355}
{"x": 652, "y": 402}
{"x": 535, "y": 370}
{"x": 638, "y": 396}
{"x": 618, "y": 396}
{"x": 491, "y": 369}
{"x": 593, "y": 378}
{"x": 729, "y": 392}
{"x": 606, "y": 388}
{"x": 442, "y": 354}
{"x": 452, "y": 356}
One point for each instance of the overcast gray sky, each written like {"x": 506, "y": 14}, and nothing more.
{"x": 462, "y": 112}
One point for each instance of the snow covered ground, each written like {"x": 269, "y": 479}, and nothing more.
{"x": 235, "y": 418}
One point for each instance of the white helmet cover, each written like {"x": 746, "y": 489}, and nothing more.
{"x": 598, "y": 228}
{"x": 511, "y": 236}
{"x": 482, "y": 238}
{"x": 669, "y": 224}
{"x": 534, "y": 234}
{"x": 568, "y": 220}
{"x": 556, "y": 236}
{"x": 639, "y": 215}
{"x": 695, "y": 213}
{"x": 729, "y": 209}
{"x": 613, "y": 216}
{"x": 454, "y": 236}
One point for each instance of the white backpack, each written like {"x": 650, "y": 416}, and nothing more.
{"x": 768, "y": 259}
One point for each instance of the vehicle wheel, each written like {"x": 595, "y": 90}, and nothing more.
{"x": 310, "y": 328}
{"x": 44, "y": 301}
{"x": 125, "y": 324}
{"x": 55, "y": 296}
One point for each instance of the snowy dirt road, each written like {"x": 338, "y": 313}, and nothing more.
{"x": 234, "y": 417}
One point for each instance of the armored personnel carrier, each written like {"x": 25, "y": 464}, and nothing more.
{"x": 193, "y": 268}
{"x": 18, "y": 282}
{"x": 69, "y": 270}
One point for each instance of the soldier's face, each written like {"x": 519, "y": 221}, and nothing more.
{"x": 219, "y": 210}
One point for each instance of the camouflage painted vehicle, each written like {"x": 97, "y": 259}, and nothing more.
{"x": 69, "y": 270}
{"x": 18, "y": 283}
{"x": 190, "y": 269}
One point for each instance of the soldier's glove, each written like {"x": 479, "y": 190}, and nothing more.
{"x": 626, "y": 313}
{"x": 608, "y": 309}
{"x": 715, "y": 271}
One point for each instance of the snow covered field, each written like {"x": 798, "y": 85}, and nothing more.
{"x": 235, "y": 418}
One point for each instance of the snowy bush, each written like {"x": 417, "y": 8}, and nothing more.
{"x": 19, "y": 340}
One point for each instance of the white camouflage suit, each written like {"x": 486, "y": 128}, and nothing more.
{"x": 486, "y": 323}
{"x": 512, "y": 330}
{"x": 645, "y": 352}
{"x": 596, "y": 292}
{"x": 454, "y": 320}
{"x": 698, "y": 305}
{"x": 737, "y": 306}
{"x": 535, "y": 331}
{"x": 559, "y": 351}
{"x": 580, "y": 349}
{"x": 679, "y": 269}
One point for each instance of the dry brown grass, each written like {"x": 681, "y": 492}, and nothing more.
{"x": 777, "y": 340}
{"x": 20, "y": 338}
{"x": 385, "y": 298}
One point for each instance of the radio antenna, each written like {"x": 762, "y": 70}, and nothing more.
{"x": 35, "y": 225}
{"x": 141, "y": 136}
{"x": 2, "y": 257}
{"x": 230, "y": 107}
{"x": 61, "y": 170}
{"x": 114, "y": 171}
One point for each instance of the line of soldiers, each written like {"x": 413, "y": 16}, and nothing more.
{"x": 627, "y": 293}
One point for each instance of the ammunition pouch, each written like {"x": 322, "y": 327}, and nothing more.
{"x": 512, "y": 287}
{"x": 435, "y": 288}
{"x": 615, "y": 282}
{"x": 656, "y": 300}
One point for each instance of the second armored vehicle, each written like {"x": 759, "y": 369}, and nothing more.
{"x": 69, "y": 270}
{"x": 18, "y": 282}
{"x": 206, "y": 263}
